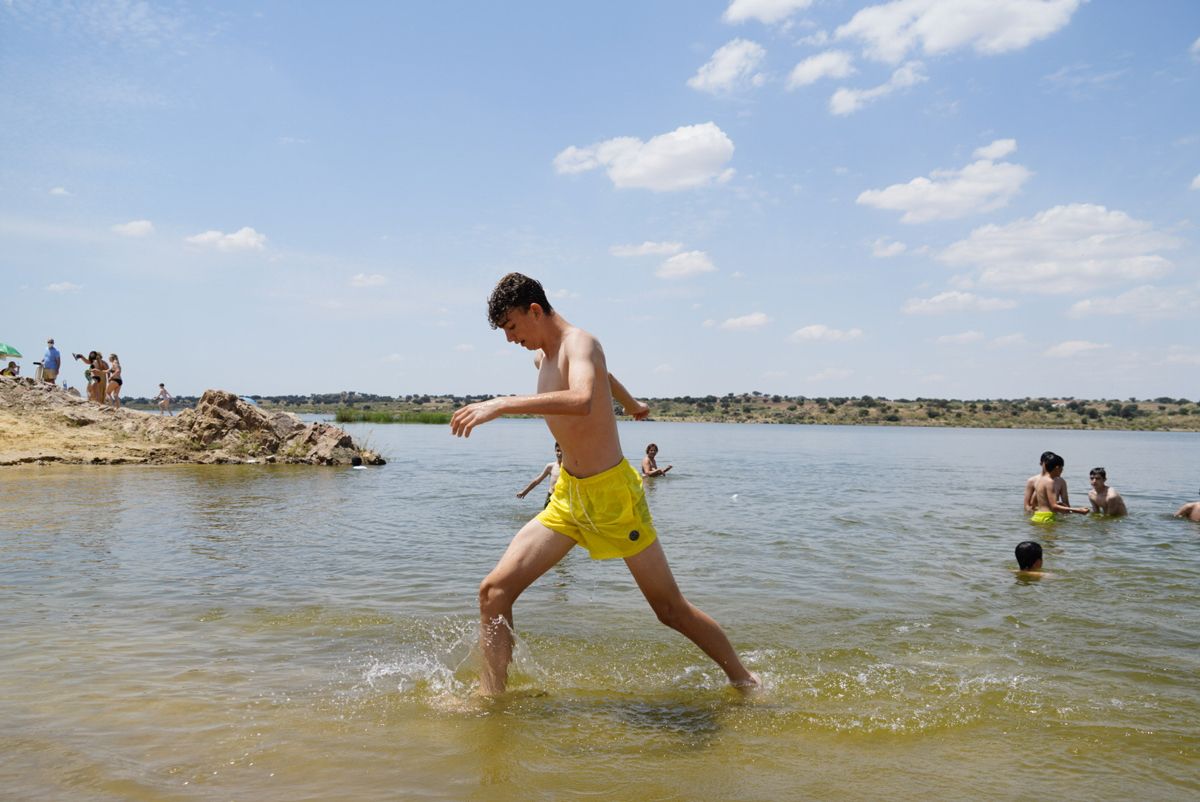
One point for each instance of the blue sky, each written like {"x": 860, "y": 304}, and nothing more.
{"x": 940, "y": 198}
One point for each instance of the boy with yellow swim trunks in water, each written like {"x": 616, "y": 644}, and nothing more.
{"x": 598, "y": 502}
{"x": 1047, "y": 490}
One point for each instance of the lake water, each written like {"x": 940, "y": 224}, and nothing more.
{"x": 299, "y": 633}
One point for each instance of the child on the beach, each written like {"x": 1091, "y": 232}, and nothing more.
{"x": 551, "y": 470}
{"x": 1048, "y": 489}
{"x": 598, "y": 502}
{"x": 1029, "y": 558}
{"x": 164, "y": 400}
{"x": 1105, "y": 500}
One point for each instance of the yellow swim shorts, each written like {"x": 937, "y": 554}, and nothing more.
{"x": 1042, "y": 517}
{"x": 607, "y": 513}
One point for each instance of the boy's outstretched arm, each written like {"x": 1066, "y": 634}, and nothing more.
{"x": 632, "y": 407}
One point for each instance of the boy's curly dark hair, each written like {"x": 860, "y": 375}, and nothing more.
{"x": 515, "y": 291}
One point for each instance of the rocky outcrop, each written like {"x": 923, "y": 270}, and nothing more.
{"x": 39, "y": 423}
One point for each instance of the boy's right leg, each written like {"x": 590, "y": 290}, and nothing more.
{"x": 532, "y": 552}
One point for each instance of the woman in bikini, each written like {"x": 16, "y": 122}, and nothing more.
{"x": 115, "y": 382}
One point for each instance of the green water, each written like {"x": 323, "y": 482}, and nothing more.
{"x": 286, "y": 633}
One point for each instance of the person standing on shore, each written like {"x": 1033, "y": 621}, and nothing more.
{"x": 599, "y": 501}
{"x": 115, "y": 382}
{"x": 51, "y": 363}
{"x": 164, "y": 400}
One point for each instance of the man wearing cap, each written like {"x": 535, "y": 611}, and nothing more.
{"x": 51, "y": 362}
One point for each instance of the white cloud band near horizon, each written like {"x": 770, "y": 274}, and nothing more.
{"x": 953, "y": 301}
{"x": 1073, "y": 348}
{"x": 1146, "y": 303}
{"x": 691, "y": 156}
{"x": 1063, "y": 249}
{"x": 754, "y": 320}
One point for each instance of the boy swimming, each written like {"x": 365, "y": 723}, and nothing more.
{"x": 1105, "y": 500}
{"x": 1029, "y": 557}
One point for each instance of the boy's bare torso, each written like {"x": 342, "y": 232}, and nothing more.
{"x": 589, "y": 442}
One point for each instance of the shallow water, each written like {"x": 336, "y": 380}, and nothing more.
{"x": 280, "y": 632}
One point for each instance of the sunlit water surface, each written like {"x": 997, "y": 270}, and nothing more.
{"x": 287, "y": 633}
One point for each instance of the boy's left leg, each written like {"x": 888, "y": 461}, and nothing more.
{"x": 653, "y": 576}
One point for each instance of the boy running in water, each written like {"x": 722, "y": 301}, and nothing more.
{"x": 598, "y": 502}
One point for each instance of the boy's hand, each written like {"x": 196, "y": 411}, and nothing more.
{"x": 472, "y": 415}
{"x": 638, "y": 410}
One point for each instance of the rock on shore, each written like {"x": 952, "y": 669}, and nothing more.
{"x": 40, "y": 423}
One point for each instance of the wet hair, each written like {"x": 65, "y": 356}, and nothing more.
{"x": 1046, "y": 455}
{"x": 1098, "y": 472}
{"x": 652, "y": 445}
{"x": 515, "y": 291}
{"x": 114, "y": 357}
{"x": 1053, "y": 462}
{"x": 1028, "y": 553}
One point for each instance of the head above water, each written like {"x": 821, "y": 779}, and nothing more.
{"x": 1098, "y": 473}
{"x": 1053, "y": 461}
{"x": 652, "y": 448}
{"x": 1045, "y": 456}
{"x": 1029, "y": 555}
{"x": 515, "y": 291}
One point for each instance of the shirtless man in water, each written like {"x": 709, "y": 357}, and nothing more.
{"x": 598, "y": 502}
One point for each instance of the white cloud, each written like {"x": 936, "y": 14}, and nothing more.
{"x": 996, "y": 150}
{"x": 830, "y": 374}
{"x": 847, "y": 101}
{"x": 962, "y": 338}
{"x": 1196, "y": 182}
{"x": 954, "y": 301}
{"x": 60, "y": 192}
{"x": 765, "y": 11}
{"x": 1009, "y": 340}
{"x": 819, "y": 332}
{"x": 647, "y": 248}
{"x": 830, "y": 64}
{"x": 886, "y": 249}
{"x": 64, "y": 286}
{"x": 690, "y": 156}
{"x": 1195, "y": 49}
{"x": 981, "y": 186}
{"x": 244, "y": 239}
{"x": 1182, "y": 355}
{"x": 733, "y": 66}
{"x": 368, "y": 280}
{"x": 683, "y": 265}
{"x": 889, "y": 31}
{"x": 134, "y": 228}
{"x": 1072, "y": 348}
{"x": 1064, "y": 249}
{"x": 754, "y": 320}
{"x": 1146, "y": 302}
{"x": 562, "y": 294}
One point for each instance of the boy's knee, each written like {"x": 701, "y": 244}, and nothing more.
{"x": 493, "y": 597}
{"x": 670, "y": 612}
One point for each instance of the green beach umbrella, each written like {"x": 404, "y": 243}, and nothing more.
{"x": 7, "y": 350}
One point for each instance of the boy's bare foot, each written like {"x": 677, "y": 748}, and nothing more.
{"x": 754, "y": 683}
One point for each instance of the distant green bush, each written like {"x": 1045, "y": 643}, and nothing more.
{"x": 344, "y": 415}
